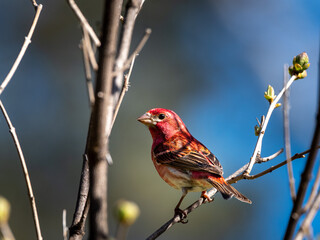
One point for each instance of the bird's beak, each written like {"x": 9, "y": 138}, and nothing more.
{"x": 146, "y": 119}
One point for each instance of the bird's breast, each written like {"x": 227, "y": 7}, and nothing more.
{"x": 180, "y": 179}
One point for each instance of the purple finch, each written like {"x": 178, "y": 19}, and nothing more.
{"x": 181, "y": 160}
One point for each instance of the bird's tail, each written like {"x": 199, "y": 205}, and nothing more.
{"x": 226, "y": 190}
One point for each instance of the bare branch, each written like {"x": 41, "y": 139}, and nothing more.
{"x": 286, "y": 132}
{"x": 269, "y": 170}
{"x": 25, "y": 171}
{"x": 135, "y": 52}
{"x": 258, "y": 146}
{"x": 266, "y": 159}
{"x": 123, "y": 91}
{"x": 139, "y": 47}
{"x": 25, "y": 45}
{"x": 87, "y": 69}
{"x": 258, "y": 160}
{"x": 177, "y": 218}
{"x": 84, "y": 22}
{"x": 88, "y": 46}
{"x": 132, "y": 9}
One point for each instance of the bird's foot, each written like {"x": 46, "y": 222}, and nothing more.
{"x": 183, "y": 215}
{"x": 206, "y": 196}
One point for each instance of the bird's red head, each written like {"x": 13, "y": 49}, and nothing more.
{"x": 163, "y": 123}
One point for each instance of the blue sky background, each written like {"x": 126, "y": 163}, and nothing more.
{"x": 209, "y": 61}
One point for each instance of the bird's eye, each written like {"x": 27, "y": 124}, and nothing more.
{"x": 161, "y": 116}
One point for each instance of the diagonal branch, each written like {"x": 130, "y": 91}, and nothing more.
{"x": 24, "y": 47}
{"x": 123, "y": 91}
{"x": 25, "y": 171}
{"x": 258, "y": 146}
{"x": 84, "y": 22}
{"x": 86, "y": 49}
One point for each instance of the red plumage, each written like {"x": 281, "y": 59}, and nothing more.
{"x": 181, "y": 160}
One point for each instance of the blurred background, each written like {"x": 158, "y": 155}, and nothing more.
{"x": 209, "y": 61}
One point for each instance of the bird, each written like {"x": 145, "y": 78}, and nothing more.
{"x": 182, "y": 161}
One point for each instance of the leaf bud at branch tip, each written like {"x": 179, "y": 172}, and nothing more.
{"x": 300, "y": 65}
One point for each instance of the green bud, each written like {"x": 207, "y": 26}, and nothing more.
{"x": 300, "y": 65}
{"x": 269, "y": 94}
{"x": 257, "y": 130}
{"x": 126, "y": 212}
{"x": 303, "y": 60}
{"x": 4, "y": 210}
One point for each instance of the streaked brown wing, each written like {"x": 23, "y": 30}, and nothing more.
{"x": 185, "y": 159}
{"x": 212, "y": 158}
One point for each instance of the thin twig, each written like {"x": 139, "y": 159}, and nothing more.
{"x": 286, "y": 132}
{"x": 138, "y": 49}
{"x": 177, "y": 218}
{"x": 25, "y": 171}
{"x": 309, "y": 218}
{"x": 123, "y": 91}
{"x": 258, "y": 160}
{"x": 24, "y": 47}
{"x": 258, "y": 146}
{"x": 64, "y": 224}
{"x": 84, "y": 22}
{"x": 269, "y": 170}
{"x": 88, "y": 46}
{"x": 266, "y": 159}
{"x": 135, "y": 52}
{"x": 87, "y": 70}
{"x": 132, "y": 9}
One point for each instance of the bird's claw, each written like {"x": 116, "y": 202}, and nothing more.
{"x": 206, "y": 197}
{"x": 183, "y": 215}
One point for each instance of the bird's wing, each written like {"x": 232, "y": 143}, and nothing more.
{"x": 189, "y": 159}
